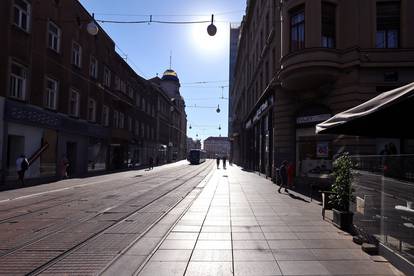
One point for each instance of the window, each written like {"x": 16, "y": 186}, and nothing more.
{"x": 54, "y": 36}
{"x": 74, "y": 100}
{"x": 76, "y": 54}
{"x": 138, "y": 100}
{"x": 142, "y": 130}
{"x": 21, "y": 17}
{"x": 121, "y": 120}
{"x": 18, "y": 80}
{"x": 129, "y": 123}
{"x": 117, "y": 83}
{"x": 136, "y": 128}
{"x": 107, "y": 77}
{"x": 130, "y": 91}
{"x": 123, "y": 87}
{"x": 297, "y": 29}
{"x": 388, "y": 25}
{"x": 116, "y": 118}
{"x": 51, "y": 93}
{"x": 328, "y": 25}
{"x": 93, "y": 67}
{"x": 92, "y": 110}
{"x": 143, "y": 104}
{"x": 105, "y": 115}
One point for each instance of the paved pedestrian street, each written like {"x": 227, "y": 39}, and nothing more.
{"x": 240, "y": 225}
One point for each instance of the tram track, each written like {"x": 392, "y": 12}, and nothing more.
{"x": 142, "y": 180}
{"x": 183, "y": 178}
{"x": 90, "y": 214}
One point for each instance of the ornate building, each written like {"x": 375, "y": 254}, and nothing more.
{"x": 65, "y": 93}
{"x": 300, "y": 62}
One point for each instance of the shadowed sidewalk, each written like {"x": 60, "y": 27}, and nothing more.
{"x": 241, "y": 225}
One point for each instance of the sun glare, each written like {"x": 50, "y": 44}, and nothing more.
{"x": 207, "y": 43}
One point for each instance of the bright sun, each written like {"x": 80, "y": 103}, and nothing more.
{"x": 203, "y": 41}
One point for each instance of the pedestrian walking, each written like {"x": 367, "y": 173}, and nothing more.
{"x": 283, "y": 176}
{"x": 218, "y": 161}
{"x": 290, "y": 175}
{"x": 224, "y": 162}
{"x": 64, "y": 164}
{"x": 22, "y": 164}
{"x": 150, "y": 163}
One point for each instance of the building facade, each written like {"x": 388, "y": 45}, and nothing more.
{"x": 67, "y": 94}
{"x": 193, "y": 144}
{"x": 299, "y": 62}
{"x": 169, "y": 84}
{"x": 217, "y": 146}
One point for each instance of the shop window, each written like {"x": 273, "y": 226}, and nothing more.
{"x": 297, "y": 29}
{"x": 74, "y": 101}
{"x": 51, "y": 93}
{"x": 76, "y": 54}
{"x": 54, "y": 36}
{"x": 21, "y": 16}
{"x": 91, "y": 110}
{"x": 328, "y": 25}
{"x": 388, "y": 24}
{"x": 96, "y": 155}
{"x": 18, "y": 81}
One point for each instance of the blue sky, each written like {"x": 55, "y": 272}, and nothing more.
{"x": 196, "y": 57}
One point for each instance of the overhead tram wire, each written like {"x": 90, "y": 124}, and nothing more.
{"x": 167, "y": 15}
{"x": 132, "y": 62}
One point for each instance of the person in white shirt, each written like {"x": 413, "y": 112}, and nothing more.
{"x": 21, "y": 167}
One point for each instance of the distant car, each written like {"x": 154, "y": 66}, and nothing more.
{"x": 196, "y": 156}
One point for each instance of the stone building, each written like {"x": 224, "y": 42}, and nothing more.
{"x": 65, "y": 93}
{"x": 217, "y": 146}
{"x": 299, "y": 62}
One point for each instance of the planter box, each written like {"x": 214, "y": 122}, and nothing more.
{"x": 342, "y": 220}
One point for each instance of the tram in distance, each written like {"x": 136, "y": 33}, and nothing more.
{"x": 197, "y": 156}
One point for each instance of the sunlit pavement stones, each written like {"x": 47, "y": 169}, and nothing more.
{"x": 240, "y": 225}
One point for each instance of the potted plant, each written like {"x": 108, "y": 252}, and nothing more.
{"x": 342, "y": 192}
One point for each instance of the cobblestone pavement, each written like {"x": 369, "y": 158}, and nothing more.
{"x": 241, "y": 225}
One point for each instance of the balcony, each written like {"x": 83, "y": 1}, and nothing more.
{"x": 309, "y": 68}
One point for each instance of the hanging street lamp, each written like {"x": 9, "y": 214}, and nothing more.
{"x": 212, "y": 29}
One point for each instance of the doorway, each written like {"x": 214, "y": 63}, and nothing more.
{"x": 71, "y": 153}
{"x": 15, "y": 148}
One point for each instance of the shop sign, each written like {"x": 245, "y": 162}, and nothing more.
{"x": 312, "y": 119}
{"x": 260, "y": 111}
{"x": 322, "y": 149}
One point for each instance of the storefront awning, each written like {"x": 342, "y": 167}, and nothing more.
{"x": 388, "y": 115}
